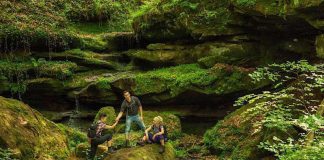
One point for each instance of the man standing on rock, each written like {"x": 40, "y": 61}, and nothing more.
{"x": 131, "y": 105}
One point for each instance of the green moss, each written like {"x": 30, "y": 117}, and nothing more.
{"x": 175, "y": 79}
{"x": 74, "y": 136}
{"x": 18, "y": 71}
{"x": 80, "y": 80}
{"x": 60, "y": 70}
{"x": 168, "y": 20}
{"x": 110, "y": 112}
{"x": 171, "y": 121}
{"x": 39, "y": 137}
{"x": 185, "y": 77}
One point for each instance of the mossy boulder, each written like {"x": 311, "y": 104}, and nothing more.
{"x": 110, "y": 112}
{"x": 29, "y": 134}
{"x": 320, "y": 46}
{"x": 148, "y": 152}
{"x": 171, "y": 121}
{"x": 238, "y": 135}
{"x": 93, "y": 42}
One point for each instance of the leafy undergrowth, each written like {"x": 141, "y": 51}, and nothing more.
{"x": 287, "y": 121}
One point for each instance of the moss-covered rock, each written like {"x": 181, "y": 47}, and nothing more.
{"x": 168, "y": 85}
{"x": 110, "y": 112}
{"x": 161, "y": 21}
{"x": 171, "y": 121}
{"x": 120, "y": 40}
{"x": 207, "y": 54}
{"x": 74, "y": 136}
{"x": 86, "y": 58}
{"x": 161, "y": 57}
{"x": 302, "y": 13}
{"x": 136, "y": 152}
{"x": 29, "y": 134}
{"x": 238, "y": 135}
{"x": 148, "y": 152}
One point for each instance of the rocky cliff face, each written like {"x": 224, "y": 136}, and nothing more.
{"x": 184, "y": 52}
{"x": 233, "y": 34}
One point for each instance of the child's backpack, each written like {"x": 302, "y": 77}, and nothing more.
{"x": 92, "y": 130}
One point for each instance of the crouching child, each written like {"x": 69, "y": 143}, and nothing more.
{"x": 158, "y": 134}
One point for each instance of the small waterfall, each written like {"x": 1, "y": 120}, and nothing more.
{"x": 77, "y": 104}
{"x": 74, "y": 120}
{"x": 74, "y": 116}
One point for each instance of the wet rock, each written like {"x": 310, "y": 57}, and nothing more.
{"x": 82, "y": 150}
{"x": 148, "y": 152}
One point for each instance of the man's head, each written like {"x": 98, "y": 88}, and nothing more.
{"x": 103, "y": 117}
{"x": 127, "y": 95}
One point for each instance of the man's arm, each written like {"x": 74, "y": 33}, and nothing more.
{"x": 140, "y": 108}
{"x": 141, "y": 112}
{"x": 120, "y": 114}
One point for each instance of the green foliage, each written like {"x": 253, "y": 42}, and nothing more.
{"x": 23, "y": 26}
{"x": 103, "y": 83}
{"x": 75, "y": 136}
{"x": 185, "y": 145}
{"x": 273, "y": 113}
{"x": 281, "y": 73}
{"x": 6, "y": 154}
{"x": 295, "y": 149}
{"x": 294, "y": 105}
{"x": 111, "y": 15}
{"x": 20, "y": 70}
{"x": 58, "y": 69}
